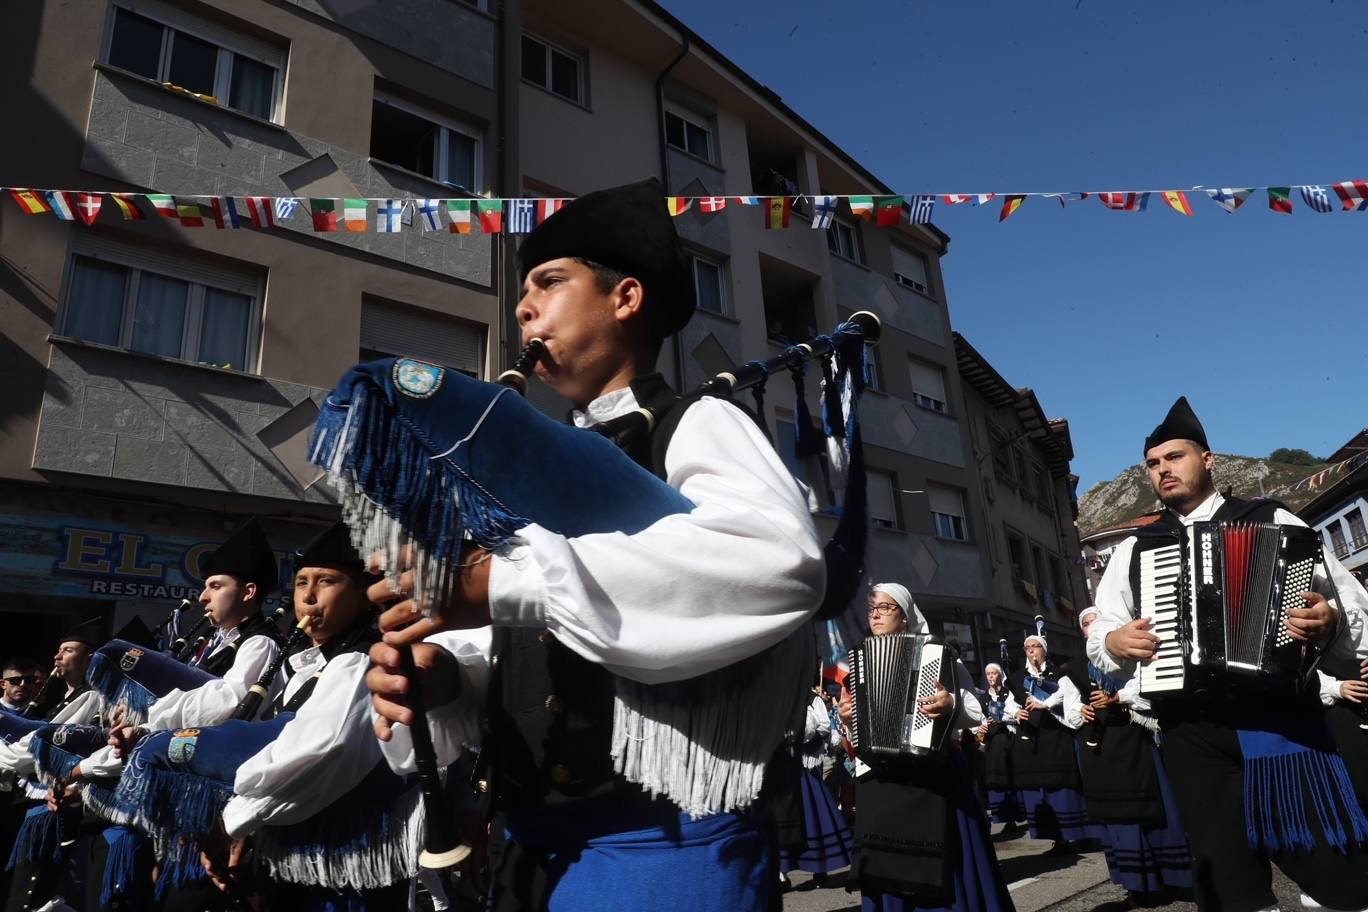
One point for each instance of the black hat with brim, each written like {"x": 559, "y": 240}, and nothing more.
{"x": 627, "y": 229}
{"x": 246, "y": 555}
{"x": 1179, "y": 424}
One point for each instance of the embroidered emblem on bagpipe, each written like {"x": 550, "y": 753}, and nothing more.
{"x": 130, "y": 659}
{"x": 182, "y": 746}
{"x": 417, "y": 379}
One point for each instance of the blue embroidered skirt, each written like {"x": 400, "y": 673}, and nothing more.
{"x": 1150, "y": 859}
{"x": 1058, "y": 813}
{"x": 1006, "y": 807}
{"x": 828, "y": 837}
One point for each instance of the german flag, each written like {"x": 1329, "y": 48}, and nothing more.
{"x": 1010, "y": 204}
{"x": 678, "y": 205}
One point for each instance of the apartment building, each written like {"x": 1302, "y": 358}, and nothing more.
{"x": 1028, "y": 509}
{"x": 161, "y": 380}
{"x": 1340, "y": 512}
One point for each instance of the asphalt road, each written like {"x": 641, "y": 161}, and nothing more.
{"x": 1038, "y": 883}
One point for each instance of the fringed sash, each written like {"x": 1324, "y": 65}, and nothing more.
{"x": 1284, "y": 772}
{"x": 128, "y": 675}
{"x": 59, "y": 749}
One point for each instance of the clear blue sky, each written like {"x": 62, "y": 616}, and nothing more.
{"x": 1259, "y": 318}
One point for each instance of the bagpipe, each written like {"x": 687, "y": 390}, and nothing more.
{"x": 423, "y": 457}
{"x": 1040, "y": 687}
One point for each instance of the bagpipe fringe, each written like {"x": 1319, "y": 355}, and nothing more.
{"x": 39, "y": 838}
{"x": 704, "y": 743}
{"x": 118, "y": 689}
{"x": 384, "y": 853}
{"x": 130, "y": 858}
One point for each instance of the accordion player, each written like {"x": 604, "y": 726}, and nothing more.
{"x": 1219, "y": 595}
{"x": 888, "y": 675}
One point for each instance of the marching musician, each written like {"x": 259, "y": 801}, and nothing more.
{"x": 589, "y": 630}
{"x": 1126, "y": 789}
{"x": 1044, "y": 763}
{"x": 997, "y": 733}
{"x": 921, "y": 840}
{"x": 71, "y": 661}
{"x": 1253, "y": 768}
{"x": 22, "y": 679}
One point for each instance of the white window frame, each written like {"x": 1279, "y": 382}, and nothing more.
{"x": 857, "y": 254}
{"x": 444, "y": 125}
{"x": 552, "y": 47}
{"x": 694, "y": 260}
{"x": 689, "y": 119}
{"x": 172, "y": 21}
{"x": 171, "y": 266}
{"x": 951, "y": 526}
{"x": 928, "y": 402}
{"x": 909, "y": 282}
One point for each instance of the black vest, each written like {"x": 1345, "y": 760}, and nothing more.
{"x": 549, "y": 713}
{"x": 256, "y": 625}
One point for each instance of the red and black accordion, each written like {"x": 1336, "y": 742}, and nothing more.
{"x": 1219, "y": 599}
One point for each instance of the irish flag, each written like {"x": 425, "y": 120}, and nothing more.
{"x": 354, "y": 214}
{"x": 862, "y": 207}
{"x": 459, "y": 210}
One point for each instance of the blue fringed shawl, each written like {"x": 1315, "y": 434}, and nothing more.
{"x": 53, "y": 761}
{"x": 152, "y": 676}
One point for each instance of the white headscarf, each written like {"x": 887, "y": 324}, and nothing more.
{"x": 1083, "y": 615}
{"x": 916, "y": 621}
{"x": 1002, "y": 676}
{"x": 1030, "y": 667}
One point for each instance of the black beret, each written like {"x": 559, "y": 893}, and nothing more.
{"x": 246, "y": 555}
{"x": 93, "y": 632}
{"x": 627, "y": 229}
{"x": 1179, "y": 424}
{"x": 332, "y": 548}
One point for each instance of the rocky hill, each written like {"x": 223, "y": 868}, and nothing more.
{"x": 1129, "y": 494}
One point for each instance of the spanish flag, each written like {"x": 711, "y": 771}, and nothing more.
{"x": 1010, "y": 204}
{"x": 32, "y": 203}
{"x": 678, "y": 205}
{"x": 777, "y": 210}
{"x": 1177, "y": 201}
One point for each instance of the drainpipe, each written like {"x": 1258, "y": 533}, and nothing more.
{"x": 505, "y": 263}
{"x": 676, "y": 344}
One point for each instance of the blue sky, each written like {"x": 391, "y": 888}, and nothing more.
{"x": 1258, "y": 318}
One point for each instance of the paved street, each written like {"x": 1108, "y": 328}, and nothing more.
{"x": 1039, "y": 883}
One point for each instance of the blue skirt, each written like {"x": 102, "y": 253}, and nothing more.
{"x": 1006, "y": 807}
{"x": 1150, "y": 859}
{"x": 595, "y": 865}
{"x": 828, "y": 837}
{"x": 1058, "y": 813}
{"x": 979, "y": 886}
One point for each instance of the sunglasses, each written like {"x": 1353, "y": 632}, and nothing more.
{"x": 16, "y": 680}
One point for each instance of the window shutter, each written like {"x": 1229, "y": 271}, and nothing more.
{"x": 928, "y": 379}
{"x": 426, "y": 335}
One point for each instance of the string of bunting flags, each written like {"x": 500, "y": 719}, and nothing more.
{"x": 520, "y": 215}
{"x": 1313, "y": 482}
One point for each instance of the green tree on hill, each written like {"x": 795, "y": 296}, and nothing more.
{"x": 1293, "y": 457}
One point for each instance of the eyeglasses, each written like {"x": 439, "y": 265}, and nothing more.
{"x": 883, "y": 608}
{"x": 16, "y": 680}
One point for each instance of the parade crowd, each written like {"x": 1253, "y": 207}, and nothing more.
{"x": 631, "y": 719}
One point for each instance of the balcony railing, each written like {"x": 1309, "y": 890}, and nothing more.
{"x": 1345, "y": 548}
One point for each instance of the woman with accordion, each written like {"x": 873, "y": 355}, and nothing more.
{"x": 921, "y": 840}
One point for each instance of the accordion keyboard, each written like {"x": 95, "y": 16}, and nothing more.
{"x": 1161, "y": 571}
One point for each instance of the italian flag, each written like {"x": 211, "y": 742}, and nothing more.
{"x": 1280, "y": 199}
{"x": 324, "y": 212}
{"x": 354, "y": 214}
{"x": 32, "y": 203}
{"x": 888, "y": 211}
{"x": 491, "y": 215}
{"x": 862, "y": 207}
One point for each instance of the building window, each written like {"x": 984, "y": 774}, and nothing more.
{"x": 246, "y": 82}
{"x": 928, "y": 385}
{"x": 708, "y": 286}
{"x": 1002, "y": 459}
{"x": 1337, "y": 543}
{"x": 443, "y": 149}
{"x": 1016, "y": 551}
{"x": 875, "y": 379}
{"x": 883, "y": 499}
{"x": 947, "y": 511}
{"x": 1060, "y": 578}
{"x": 1019, "y": 470}
{"x": 1043, "y": 486}
{"x": 909, "y": 270}
{"x": 390, "y": 330}
{"x": 689, "y": 133}
{"x": 160, "y": 310}
{"x": 554, "y": 69}
{"x": 843, "y": 239}
{"x": 1358, "y": 535}
{"x": 1038, "y": 565}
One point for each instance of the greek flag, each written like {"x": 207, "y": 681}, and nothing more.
{"x": 919, "y": 209}
{"x": 1316, "y": 197}
{"x": 522, "y": 216}
{"x": 285, "y": 207}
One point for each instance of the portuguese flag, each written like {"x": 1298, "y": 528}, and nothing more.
{"x": 888, "y": 211}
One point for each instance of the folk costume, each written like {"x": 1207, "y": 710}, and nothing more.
{"x": 1127, "y": 791}
{"x": 1253, "y": 767}
{"x": 827, "y": 842}
{"x": 1348, "y": 723}
{"x": 1000, "y": 705}
{"x": 921, "y": 840}
{"x": 647, "y": 660}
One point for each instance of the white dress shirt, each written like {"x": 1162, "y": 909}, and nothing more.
{"x": 1116, "y": 603}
